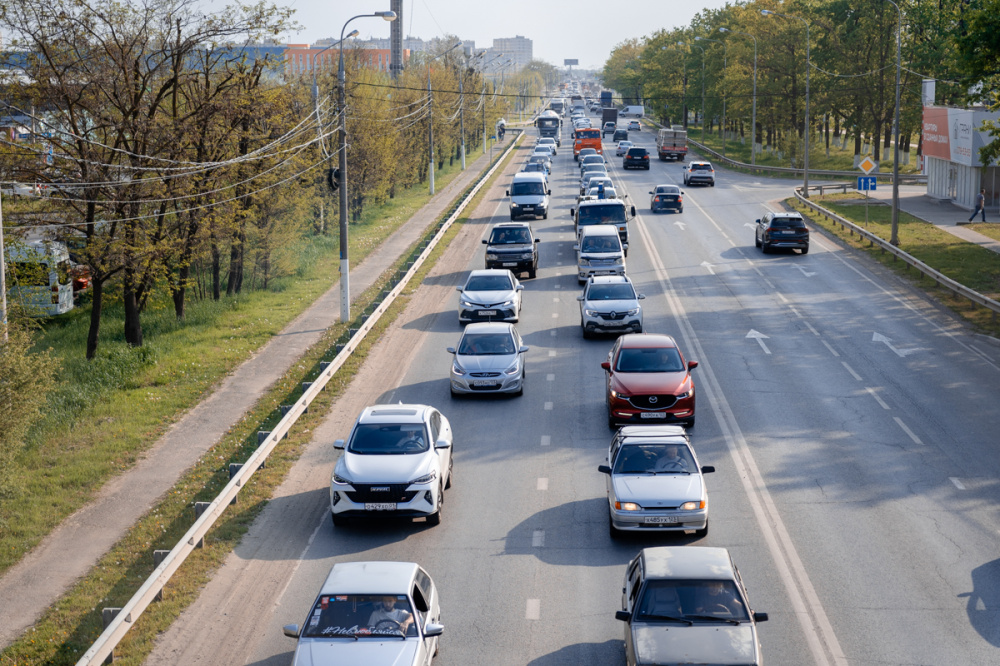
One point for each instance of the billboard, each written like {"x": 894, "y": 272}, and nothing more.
{"x": 569, "y": 63}
{"x": 954, "y": 134}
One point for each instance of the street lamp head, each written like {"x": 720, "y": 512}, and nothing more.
{"x": 387, "y": 15}
{"x": 352, "y": 33}
{"x": 766, "y": 12}
{"x": 723, "y": 29}
{"x": 698, "y": 38}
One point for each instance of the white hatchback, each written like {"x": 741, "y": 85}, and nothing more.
{"x": 623, "y": 147}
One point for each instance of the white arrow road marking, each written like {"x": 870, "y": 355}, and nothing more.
{"x": 804, "y": 271}
{"x": 708, "y": 267}
{"x": 901, "y": 353}
{"x": 681, "y": 225}
{"x": 759, "y": 337}
{"x": 747, "y": 224}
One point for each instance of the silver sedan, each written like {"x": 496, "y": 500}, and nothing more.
{"x": 489, "y": 359}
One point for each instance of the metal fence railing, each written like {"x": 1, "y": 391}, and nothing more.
{"x": 118, "y": 621}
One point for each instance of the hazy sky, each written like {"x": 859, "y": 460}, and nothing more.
{"x": 560, "y": 29}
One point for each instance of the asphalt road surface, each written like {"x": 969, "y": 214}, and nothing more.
{"x": 852, "y": 423}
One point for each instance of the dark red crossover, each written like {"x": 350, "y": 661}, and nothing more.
{"x": 648, "y": 381}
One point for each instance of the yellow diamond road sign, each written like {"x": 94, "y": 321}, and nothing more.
{"x": 867, "y": 164}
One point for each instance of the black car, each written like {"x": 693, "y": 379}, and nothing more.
{"x": 511, "y": 245}
{"x": 620, "y": 135}
{"x": 666, "y": 197}
{"x": 781, "y": 230}
{"x": 636, "y": 157}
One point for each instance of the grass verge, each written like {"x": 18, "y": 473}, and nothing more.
{"x": 71, "y": 625}
{"x": 968, "y": 264}
{"x": 107, "y": 412}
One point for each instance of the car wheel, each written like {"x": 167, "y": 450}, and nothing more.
{"x": 765, "y": 247}
{"x": 513, "y": 217}
{"x": 520, "y": 389}
{"x": 647, "y": 167}
{"x": 805, "y": 250}
{"x": 612, "y": 532}
{"x": 703, "y": 532}
{"x": 586, "y": 334}
{"x": 611, "y": 422}
{"x": 545, "y": 215}
{"x": 451, "y": 472}
{"x": 339, "y": 521}
{"x": 435, "y": 518}
{"x": 713, "y": 183}
{"x": 756, "y": 241}
{"x": 689, "y": 423}
{"x": 680, "y": 210}
{"x": 531, "y": 273}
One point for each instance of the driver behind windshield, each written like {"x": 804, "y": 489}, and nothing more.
{"x": 390, "y": 616}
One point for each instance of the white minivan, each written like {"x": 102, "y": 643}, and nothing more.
{"x": 529, "y": 195}
{"x": 599, "y": 252}
{"x": 633, "y": 112}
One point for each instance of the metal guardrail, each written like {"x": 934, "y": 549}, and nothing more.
{"x": 939, "y": 278}
{"x": 793, "y": 171}
{"x": 124, "y": 618}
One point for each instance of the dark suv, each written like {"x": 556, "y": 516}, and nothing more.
{"x": 511, "y": 245}
{"x": 636, "y": 157}
{"x": 781, "y": 230}
{"x": 620, "y": 135}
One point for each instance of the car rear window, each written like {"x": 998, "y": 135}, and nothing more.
{"x": 637, "y": 152}
{"x": 787, "y": 223}
{"x": 701, "y": 167}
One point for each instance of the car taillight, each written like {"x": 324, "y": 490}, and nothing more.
{"x": 645, "y": 157}
{"x": 656, "y": 198}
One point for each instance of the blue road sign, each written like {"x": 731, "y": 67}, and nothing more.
{"x": 866, "y": 183}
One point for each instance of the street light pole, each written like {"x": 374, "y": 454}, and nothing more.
{"x": 894, "y": 235}
{"x": 345, "y": 266}
{"x": 430, "y": 125}
{"x": 805, "y": 170}
{"x": 753, "y": 120}
{"x": 725, "y": 58}
{"x": 3, "y": 281}
{"x": 702, "y": 87}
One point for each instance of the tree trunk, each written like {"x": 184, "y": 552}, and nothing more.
{"x": 876, "y": 145}
{"x": 179, "y": 290}
{"x": 216, "y": 268}
{"x": 97, "y": 299}
{"x": 133, "y": 325}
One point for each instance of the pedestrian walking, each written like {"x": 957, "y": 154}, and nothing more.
{"x": 980, "y": 205}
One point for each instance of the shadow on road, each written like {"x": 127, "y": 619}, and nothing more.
{"x": 608, "y": 652}
{"x": 984, "y": 601}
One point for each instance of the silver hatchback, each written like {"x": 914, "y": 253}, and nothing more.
{"x": 489, "y": 358}
{"x": 609, "y": 304}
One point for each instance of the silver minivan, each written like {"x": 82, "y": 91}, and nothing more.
{"x": 599, "y": 252}
{"x": 529, "y": 195}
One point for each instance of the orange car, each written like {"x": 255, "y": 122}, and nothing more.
{"x": 587, "y": 138}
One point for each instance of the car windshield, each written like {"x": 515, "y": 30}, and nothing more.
{"x": 691, "y": 601}
{"x": 508, "y": 236}
{"x": 487, "y": 344}
{"x": 656, "y": 458}
{"x": 531, "y": 187}
{"x": 388, "y": 439}
{"x": 611, "y": 292}
{"x": 489, "y": 283}
{"x": 601, "y": 244}
{"x": 649, "y": 359}
{"x": 606, "y": 214}
{"x": 360, "y": 616}
{"x": 636, "y": 152}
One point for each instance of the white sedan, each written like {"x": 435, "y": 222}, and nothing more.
{"x": 623, "y": 147}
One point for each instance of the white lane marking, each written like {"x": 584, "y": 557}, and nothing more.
{"x": 805, "y": 602}
{"x": 555, "y": 300}
{"x": 557, "y": 286}
{"x": 782, "y": 297}
{"x": 555, "y": 315}
{"x": 851, "y": 370}
{"x": 916, "y": 440}
{"x": 804, "y": 271}
{"x": 533, "y": 611}
{"x": 538, "y": 539}
{"x": 298, "y": 562}
{"x": 810, "y": 327}
{"x": 770, "y": 285}
{"x": 552, "y": 352}
{"x": 958, "y": 484}
{"x": 548, "y": 406}
{"x": 875, "y": 395}
{"x": 543, "y": 483}
{"x": 546, "y": 439}
{"x": 708, "y": 267}
{"x": 901, "y": 353}
{"x": 795, "y": 312}
{"x": 759, "y": 337}
{"x": 550, "y": 377}
{"x": 832, "y": 350}
{"x": 558, "y": 263}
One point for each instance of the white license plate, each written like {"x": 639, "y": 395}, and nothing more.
{"x": 484, "y": 382}
{"x": 604, "y": 272}
{"x": 510, "y": 263}
{"x": 380, "y": 506}
{"x": 661, "y": 519}
{"x": 488, "y": 313}
{"x": 652, "y": 415}
{"x": 614, "y": 323}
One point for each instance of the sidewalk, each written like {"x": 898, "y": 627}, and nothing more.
{"x": 944, "y": 215}
{"x": 46, "y": 573}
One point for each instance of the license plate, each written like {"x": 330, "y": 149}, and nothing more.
{"x": 661, "y": 519}
{"x": 614, "y": 323}
{"x": 787, "y": 232}
{"x": 510, "y": 263}
{"x": 604, "y": 272}
{"x": 488, "y": 313}
{"x": 484, "y": 382}
{"x": 652, "y": 415}
{"x": 380, "y": 506}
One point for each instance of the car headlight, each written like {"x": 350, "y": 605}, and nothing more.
{"x": 631, "y": 313}
{"x": 692, "y": 506}
{"x": 584, "y": 262}
{"x": 457, "y": 369}
{"x": 618, "y": 394}
{"x": 590, "y": 313}
{"x": 514, "y": 205}
{"x": 627, "y": 506}
{"x": 426, "y": 478}
{"x": 466, "y": 304}
{"x": 508, "y": 303}
{"x": 514, "y": 369}
{"x": 527, "y": 255}
{"x": 491, "y": 256}
{"x": 686, "y": 394}
{"x": 341, "y": 481}
{"x": 619, "y": 261}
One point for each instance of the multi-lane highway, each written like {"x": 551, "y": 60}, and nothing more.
{"x": 853, "y": 426}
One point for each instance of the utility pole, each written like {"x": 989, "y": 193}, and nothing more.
{"x": 3, "y": 280}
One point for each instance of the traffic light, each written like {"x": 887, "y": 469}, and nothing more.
{"x": 333, "y": 178}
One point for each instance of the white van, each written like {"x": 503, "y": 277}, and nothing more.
{"x": 529, "y": 195}
{"x": 632, "y": 112}
{"x": 40, "y": 277}
{"x": 599, "y": 252}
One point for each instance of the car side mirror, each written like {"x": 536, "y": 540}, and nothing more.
{"x": 572, "y": 212}
{"x": 640, "y": 297}
{"x": 538, "y": 240}
{"x": 632, "y": 209}
{"x": 519, "y": 287}
{"x": 604, "y": 469}
{"x": 486, "y": 241}
{"x": 606, "y": 365}
{"x": 458, "y": 289}
{"x": 576, "y": 247}
{"x": 451, "y": 350}
{"x": 549, "y": 192}
{"x": 442, "y": 444}
{"x": 692, "y": 365}
{"x": 579, "y": 298}
{"x": 432, "y": 630}
{"x": 508, "y": 192}
{"x": 291, "y": 630}
{"x": 707, "y": 469}
{"x": 624, "y": 616}
{"x": 758, "y": 222}
{"x": 523, "y": 348}
{"x": 760, "y": 617}
{"x": 338, "y": 444}
{"x": 651, "y": 192}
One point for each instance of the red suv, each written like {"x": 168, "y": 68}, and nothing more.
{"x": 648, "y": 381}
